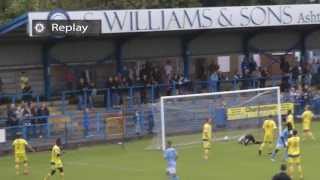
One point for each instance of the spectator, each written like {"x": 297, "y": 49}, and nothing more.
{"x": 284, "y": 65}
{"x": 1, "y": 85}
{"x": 252, "y": 66}
{"x": 82, "y": 96}
{"x": 143, "y": 91}
{"x": 24, "y": 80}
{"x": 213, "y": 81}
{"x": 263, "y": 74}
{"x": 27, "y": 93}
{"x": 108, "y": 93}
{"x": 91, "y": 92}
{"x": 86, "y": 122}
{"x": 282, "y": 175}
{"x": 34, "y": 121}
{"x": 295, "y": 73}
{"x": 69, "y": 78}
{"x": 43, "y": 114}
{"x": 26, "y": 120}
{"x": 306, "y": 73}
{"x": 316, "y": 79}
{"x": 168, "y": 69}
{"x": 12, "y": 121}
{"x": 139, "y": 124}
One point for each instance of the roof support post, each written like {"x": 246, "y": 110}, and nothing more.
{"x": 119, "y": 55}
{"x": 46, "y": 70}
{"x": 186, "y": 56}
{"x": 303, "y": 48}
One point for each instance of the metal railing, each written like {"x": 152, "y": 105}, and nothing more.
{"x": 111, "y": 98}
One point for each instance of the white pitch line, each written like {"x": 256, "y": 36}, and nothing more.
{"x": 104, "y": 166}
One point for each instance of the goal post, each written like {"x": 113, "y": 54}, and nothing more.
{"x": 188, "y": 105}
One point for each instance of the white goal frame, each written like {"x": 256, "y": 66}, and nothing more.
{"x": 163, "y": 98}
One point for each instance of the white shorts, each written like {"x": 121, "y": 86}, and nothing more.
{"x": 171, "y": 170}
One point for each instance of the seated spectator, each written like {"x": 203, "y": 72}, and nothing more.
{"x": 43, "y": 113}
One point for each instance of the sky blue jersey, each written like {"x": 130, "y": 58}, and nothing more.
{"x": 283, "y": 138}
{"x": 170, "y": 155}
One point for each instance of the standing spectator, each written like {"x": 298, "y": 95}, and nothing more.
{"x": 168, "y": 69}
{"x": 34, "y": 121}
{"x": 252, "y": 66}
{"x": 139, "y": 123}
{"x": 82, "y": 96}
{"x": 24, "y": 80}
{"x": 43, "y": 114}
{"x": 27, "y": 93}
{"x": 108, "y": 93}
{"x": 86, "y": 122}
{"x": 26, "y": 120}
{"x": 316, "y": 79}
{"x": 1, "y": 85}
{"x": 13, "y": 121}
{"x": 283, "y": 174}
{"x": 284, "y": 65}
{"x": 213, "y": 81}
{"x": 69, "y": 78}
{"x": 143, "y": 92}
{"x": 285, "y": 69}
{"x": 306, "y": 70}
{"x": 91, "y": 92}
{"x": 263, "y": 77}
{"x": 295, "y": 73}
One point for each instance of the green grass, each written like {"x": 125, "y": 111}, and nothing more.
{"x": 228, "y": 161}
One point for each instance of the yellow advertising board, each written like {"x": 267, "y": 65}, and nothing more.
{"x": 251, "y": 112}
{"x": 115, "y": 127}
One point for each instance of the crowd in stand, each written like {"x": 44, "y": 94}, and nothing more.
{"x": 30, "y": 115}
{"x": 149, "y": 75}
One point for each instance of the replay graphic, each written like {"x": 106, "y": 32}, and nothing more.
{"x": 60, "y": 25}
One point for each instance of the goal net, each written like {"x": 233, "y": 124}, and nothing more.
{"x": 235, "y": 113}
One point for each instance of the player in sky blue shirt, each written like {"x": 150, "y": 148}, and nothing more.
{"x": 282, "y": 141}
{"x": 171, "y": 156}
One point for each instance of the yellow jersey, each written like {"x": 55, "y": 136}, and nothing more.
{"x": 269, "y": 126}
{"x": 56, "y": 155}
{"x": 294, "y": 146}
{"x": 307, "y": 116}
{"x": 207, "y": 132}
{"x": 290, "y": 119}
{"x": 23, "y": 81}
{"x": 20, "y": 146}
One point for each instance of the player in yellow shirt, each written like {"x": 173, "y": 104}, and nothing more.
{"x": 290, "y": 119}
{"x": 307, "y": 117}
{"x": 56, "y": 162}
{"x": 207, "y": 137}
{"x": 269, "y": 127}
{"x": 294, "y": 157}
{"x": 19, "y": 147}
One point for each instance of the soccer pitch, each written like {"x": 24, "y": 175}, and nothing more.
{"x": 228, "y": 161}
